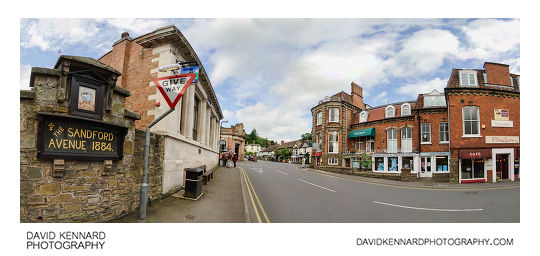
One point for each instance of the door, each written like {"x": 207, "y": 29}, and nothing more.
{"x": 502, "y": 166}
{"x": 425, "y": 167}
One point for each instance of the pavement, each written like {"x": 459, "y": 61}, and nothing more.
{"x": 416, "y": 184}
{"x": 222, "y": 202}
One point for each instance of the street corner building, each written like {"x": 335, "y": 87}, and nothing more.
{"x": 233, "y": 140}
{"x": 468, "y": 133}
{"x": 191, "y": 131}
{"x": 82, "y": 138}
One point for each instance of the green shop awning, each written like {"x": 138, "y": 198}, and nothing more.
{"x": 362, "y": 133}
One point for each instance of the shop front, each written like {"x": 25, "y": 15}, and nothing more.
{"x": 474, "y": 165}
{"x": 431, "y": 163}
{"x": 394, "y": 162}
{"x": 317, "y": 158}
{"x": 503, "y": 159}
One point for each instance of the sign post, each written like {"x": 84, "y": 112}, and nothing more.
{"x": 172, "y": 88}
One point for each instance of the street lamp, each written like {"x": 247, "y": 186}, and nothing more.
{"x": 219, "y": 146}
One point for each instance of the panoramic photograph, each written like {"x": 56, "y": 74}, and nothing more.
{"x": 269, "y": 120}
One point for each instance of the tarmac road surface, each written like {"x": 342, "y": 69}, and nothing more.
{"x": 282, "y": 192}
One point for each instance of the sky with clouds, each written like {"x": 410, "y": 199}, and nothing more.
{"x": 268, "y": 73}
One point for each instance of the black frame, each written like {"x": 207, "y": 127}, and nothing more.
{"x": 91, "y": 80}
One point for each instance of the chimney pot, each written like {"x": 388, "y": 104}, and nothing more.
{"x": 125, "y": 34}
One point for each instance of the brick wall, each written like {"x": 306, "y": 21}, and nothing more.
{"x": 434, "y": 117}
{"x": 135, "y": 64}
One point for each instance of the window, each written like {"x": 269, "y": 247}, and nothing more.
{"x": 406, "y": 139}
{"x": 319, "y": 137}
{"x": 468, "y": 78}
{"x": 390, "y": 111}
{"x": 370, "y": 145}
{"x": 444, "y": 133}
{"x": 391, "y": 140}
{"x": 511, "y": 81}
{"x": 332, "y": 161}
{"x": 426, "y": 133}
{"x": 319, "y": 118}
{"x": 407, "y": 162}
{"x": 441, "y": 163}
{"x": 392, "y": 164}
{"x": 333, "y": 142}
{"x": 195, "y": 117}
{"x": 434, "y": 101}
{"x": 472, "y": 169}
{"x": 379, "y": 164}
{"x": 471, "y": 121}
{"x": 406, "y": 109}
{"x": 334, "y": 115}
{"x": 358, "y": 145}
{"x": 363, "y": 116}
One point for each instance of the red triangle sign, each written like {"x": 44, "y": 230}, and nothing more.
{"x": 173, "y": 87}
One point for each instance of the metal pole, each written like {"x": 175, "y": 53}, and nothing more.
{"x": 144, "y": 185}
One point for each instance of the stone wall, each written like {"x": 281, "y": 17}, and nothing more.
{"x": 84, "y": 192}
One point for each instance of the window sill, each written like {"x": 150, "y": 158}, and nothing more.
{"x": 444, "y": 142}
{"x": 333, "y": 122}
{"x": 425, "y": 143}
{"x": 471, "y": 136}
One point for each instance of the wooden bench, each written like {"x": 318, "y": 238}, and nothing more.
{"x": 207, "y": 174}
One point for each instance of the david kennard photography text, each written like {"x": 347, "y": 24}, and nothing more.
{"x": 65, "y": 240}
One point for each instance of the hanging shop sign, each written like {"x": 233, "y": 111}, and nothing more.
{"x": 501, "y": 114}
{"x": 191, "y": 70}
{"x": 500, "y": 123}
{"x": 502, "y": 139}
{"x": 67, "y": 137}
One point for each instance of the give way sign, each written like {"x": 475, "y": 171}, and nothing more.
{"x": 173, "y": 87}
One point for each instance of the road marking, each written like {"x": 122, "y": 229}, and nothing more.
{"x": 251, "y": 197}
{"x": 429, "y": 209}
{"x": 257, "y": 198}
{"x": 405, "y": 186}
{"x": 316, "y": 185}
{"x": 259, "y": 170}
{"x": 282, "y": 172}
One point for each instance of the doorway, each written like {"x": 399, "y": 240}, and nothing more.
{"x": 236, "y": 148}
{"x": 425, "y": 167}
{"x": 502, "y": 166}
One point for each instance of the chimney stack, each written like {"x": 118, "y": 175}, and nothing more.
{"x": 356, "y": 93}
{"x": 497, "y": 73}
{"x": 282, "y": 142}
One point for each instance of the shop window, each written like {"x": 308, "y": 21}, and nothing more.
{"x": 444, "y": 132}
{"x": 426, "y": 133}
{"x": 334, "y": 115}
{"x": 358, "y": 145}
{"x": 407, "y": 162}
{"x": 391, "y": 140}
{"x": 392, "y": 164}
{"x": 471, "y": 121}
{"x": 441, "y": 163}
{"x": 332, "y": 161}
{"x": 379, "y": 164}
{"x": 467, "y": 78}
{"x": 472, "y": 169}
{"x": 319, "y": 118}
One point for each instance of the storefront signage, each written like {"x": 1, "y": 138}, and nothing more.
{"x": 502, "y": 139}
{"x": 501, "y": 114}
{"x": 317, "y": 154}
{"x": 475, "y": 153}
{"x": 500, "y": 123}
{"x": 65, "y": 137}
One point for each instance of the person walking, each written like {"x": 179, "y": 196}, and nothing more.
{"x": 234, "y": 159}
{"x": 303, "y": 162}
{"x": 219, "y": 159}
{"x": 225, "y": 159}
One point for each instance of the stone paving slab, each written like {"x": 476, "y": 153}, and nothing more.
{"x": 221, "y": 202}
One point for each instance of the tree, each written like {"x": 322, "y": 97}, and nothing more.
{"x": 306, "y": 136}
{"x": 252, "y": 136}
{"x": 365, "y": 161}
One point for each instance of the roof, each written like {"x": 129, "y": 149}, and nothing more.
{"x": 271, "y": 148}
{"x": 87, "y": 60}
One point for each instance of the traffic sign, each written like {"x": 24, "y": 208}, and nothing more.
{"x": 173, "y": 87}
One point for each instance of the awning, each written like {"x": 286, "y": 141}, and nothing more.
{"x": 362, "y": 133}
{"x": 475, "y": 153}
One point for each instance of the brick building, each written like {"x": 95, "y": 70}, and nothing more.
{"x": 192, "y": 130}
{"x": 235, "y": 140}
{"x": 469, "y": 133}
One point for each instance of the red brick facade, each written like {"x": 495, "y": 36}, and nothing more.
{"x": 135, "y": 64}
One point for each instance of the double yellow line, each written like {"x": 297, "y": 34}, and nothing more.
{"x": 252, "y": 193}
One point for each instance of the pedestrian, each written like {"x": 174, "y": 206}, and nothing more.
{"x": 225, "y": 159}
{"x": 219, "y": 159}
{"x": 234, "y": 159}
{"x": 303, "y": 162}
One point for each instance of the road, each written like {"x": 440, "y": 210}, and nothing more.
{"x": 284, "y": 193}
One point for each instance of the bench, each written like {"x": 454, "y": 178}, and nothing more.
{"x": 207, "y": 174}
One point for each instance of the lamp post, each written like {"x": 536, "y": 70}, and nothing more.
{"x": 219, "y": 146}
